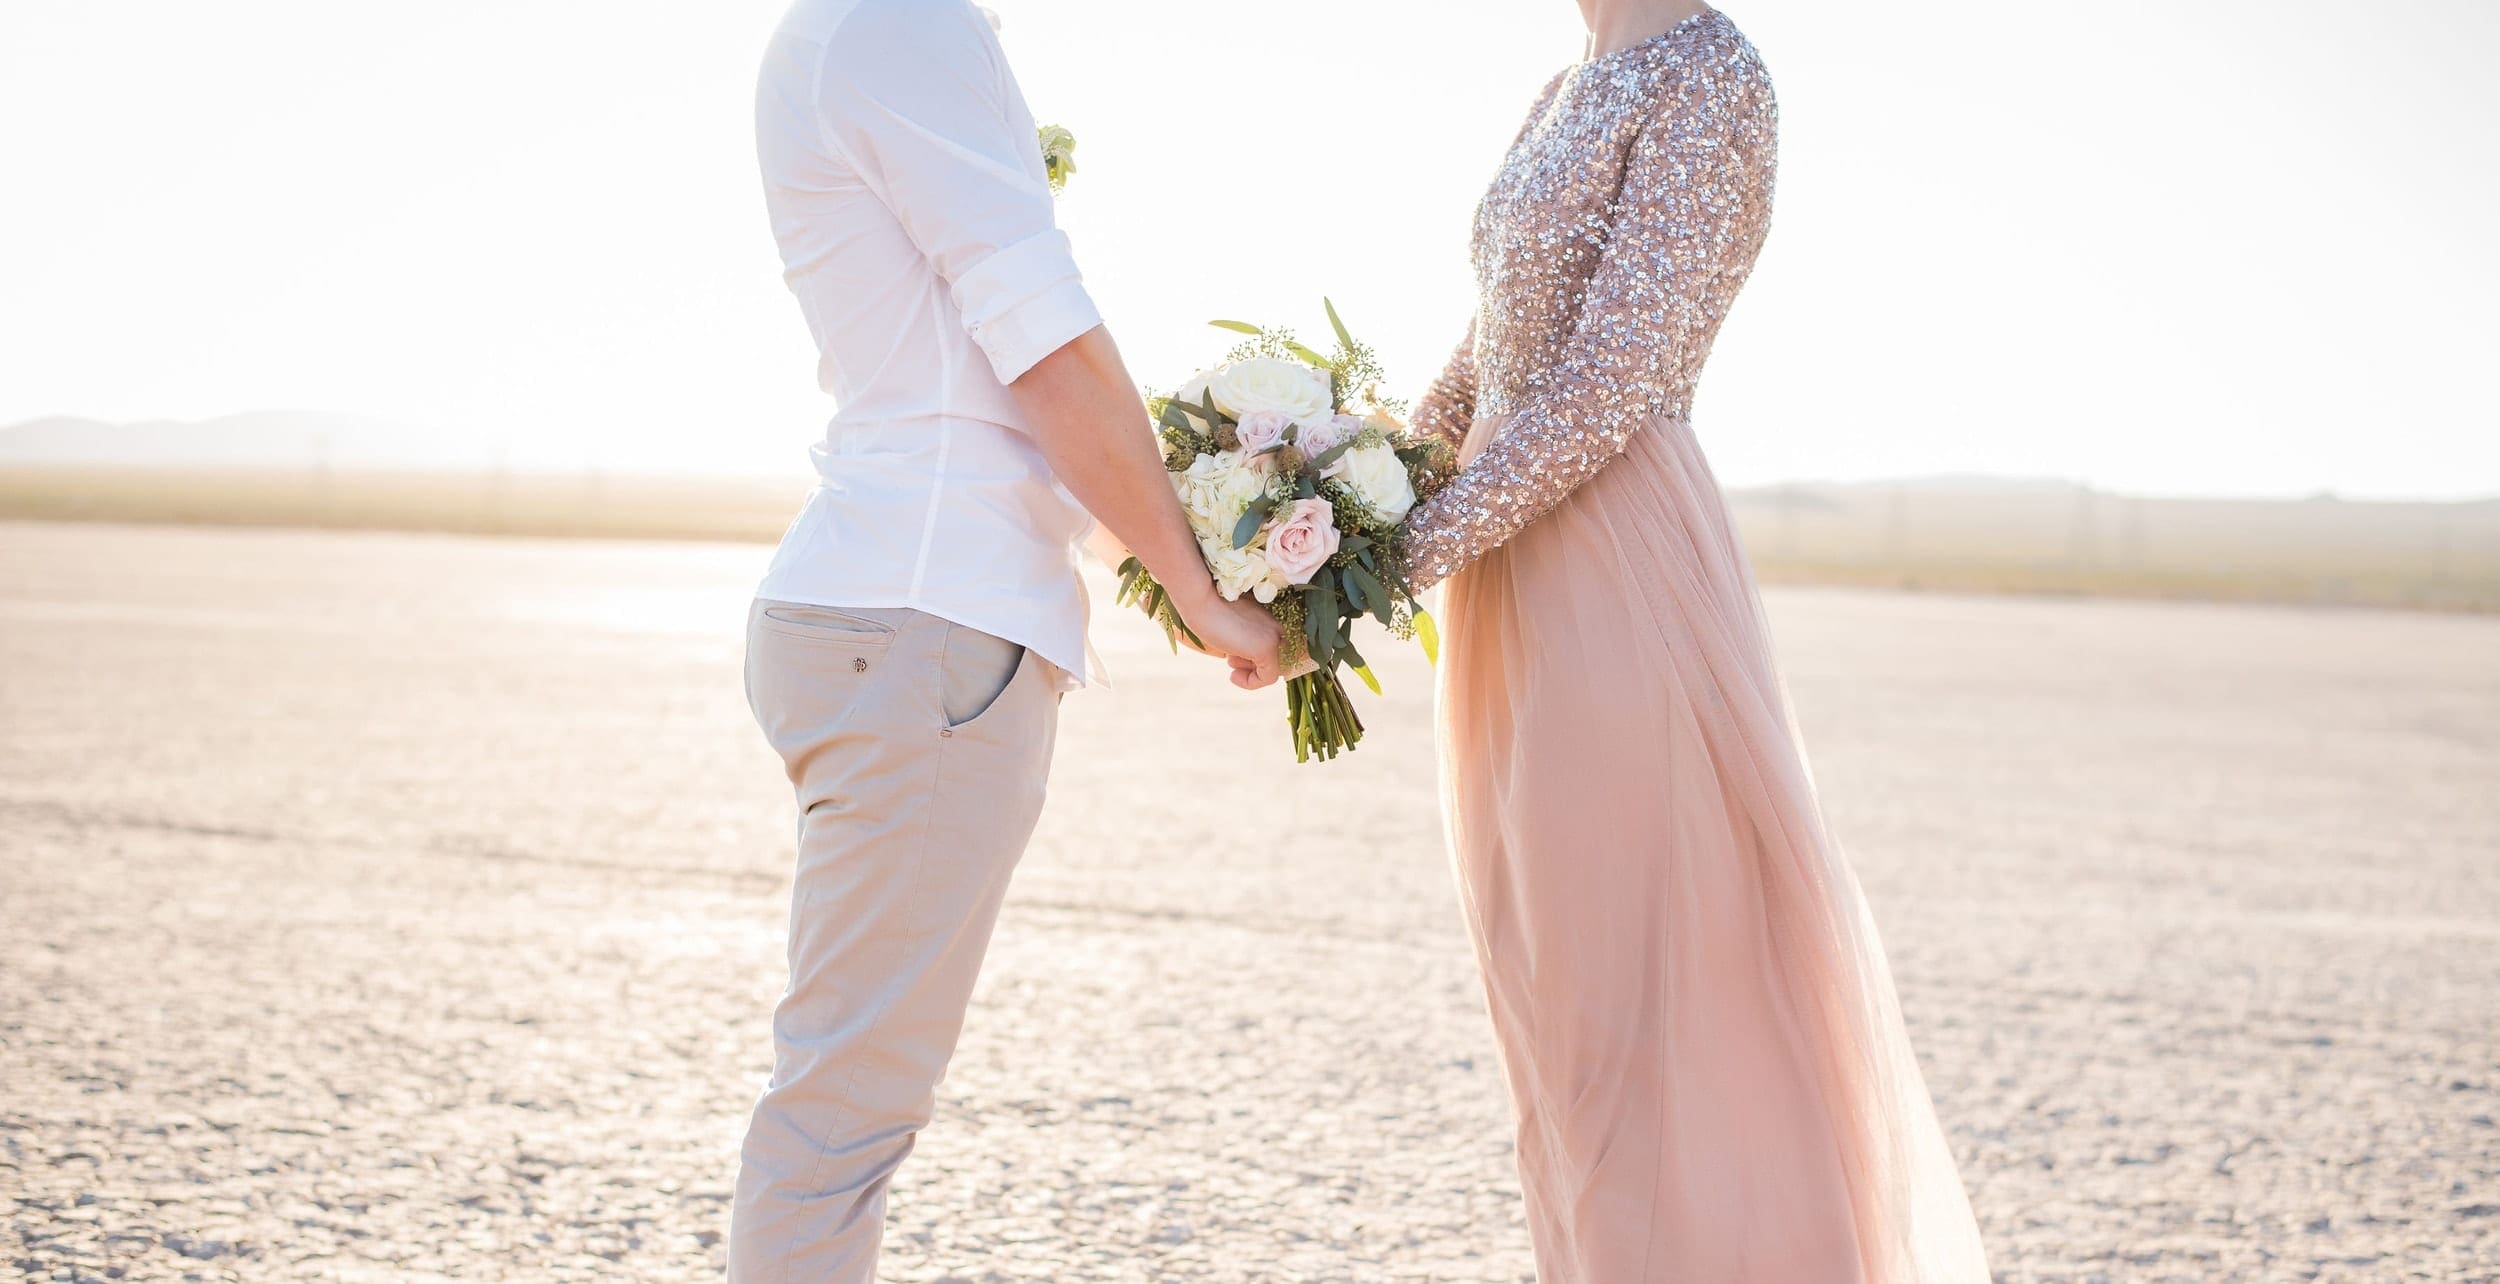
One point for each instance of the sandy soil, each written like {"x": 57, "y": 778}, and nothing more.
{"x": 388, "y": 907}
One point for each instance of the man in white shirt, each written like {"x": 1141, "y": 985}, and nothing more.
{"x": 907, "y": 649}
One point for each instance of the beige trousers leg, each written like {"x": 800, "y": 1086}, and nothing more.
{"x": 918, "y": 749}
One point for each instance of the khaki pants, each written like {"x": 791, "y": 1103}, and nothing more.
{"x": 918, "y": 749}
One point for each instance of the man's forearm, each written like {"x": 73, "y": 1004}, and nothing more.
{"x": 1085, "y": 415}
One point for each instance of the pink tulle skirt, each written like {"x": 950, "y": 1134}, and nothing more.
{"x": 1712, "y": 1079}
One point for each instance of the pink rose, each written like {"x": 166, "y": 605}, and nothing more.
{"x": 1303, "y": 540}
{"x": 1261, "y": 429}
{"x": 1319, "y": 436}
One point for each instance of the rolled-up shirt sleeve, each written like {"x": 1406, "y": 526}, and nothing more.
{"x": 920, "y": 102}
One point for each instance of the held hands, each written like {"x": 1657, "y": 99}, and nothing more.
{"x": 1245, "y": 669}
{"x": 1240, "y": 633}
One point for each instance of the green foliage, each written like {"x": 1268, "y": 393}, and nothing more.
{"x": 1366, "y": 577}
{"x": 1138, "y": 588}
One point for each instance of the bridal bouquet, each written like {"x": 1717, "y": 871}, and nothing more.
{"x": 1297, "y": 476}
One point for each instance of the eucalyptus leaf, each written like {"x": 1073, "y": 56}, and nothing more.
{"x": 1331, "y": 455}
{"x": 1429, "y": 634}
{"x": 1237, "y": 327}
{"x": 1355, "y": 574}
{"x": 1339, "y": 326}
{"x": 1364, "y": 672}
{"x": 1306, "y": 354}
{"x": 1247, "y": 529}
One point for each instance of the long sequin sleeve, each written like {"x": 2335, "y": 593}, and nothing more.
{"x": 1696, "y": 196}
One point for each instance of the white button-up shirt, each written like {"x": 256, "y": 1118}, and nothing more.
{"x": 907, "y": 192}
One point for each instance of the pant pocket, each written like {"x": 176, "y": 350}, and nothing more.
{"x": 976, "y": 671}
{"x": 810, "y": 671}
{"x": 824, "y": 626}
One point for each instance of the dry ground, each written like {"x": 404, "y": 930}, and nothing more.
{"x": 392, "y": 907}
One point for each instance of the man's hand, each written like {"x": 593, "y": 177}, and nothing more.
{"x": 1243, "y": 633}
{"x": 1108, "y": 547}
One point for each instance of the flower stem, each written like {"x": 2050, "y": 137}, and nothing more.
{"x": 1322, "y": 718}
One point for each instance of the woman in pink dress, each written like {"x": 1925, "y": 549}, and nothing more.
{"x": 1712, "y": 1079}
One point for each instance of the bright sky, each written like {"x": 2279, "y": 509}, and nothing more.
{"x": 2214, "y": 246}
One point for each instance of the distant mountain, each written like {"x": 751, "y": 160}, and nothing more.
{"x": 267, "y": 439}
{"x": 308, "y": 441}
{"x": 1933, "y": 484}
{"x": 1811, "y": 496}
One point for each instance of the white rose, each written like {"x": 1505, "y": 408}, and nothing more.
{"x": 1215, "y": 490}
{"x": 1378, "y": 477}
{"x": 1240, "y": 570}
{"x": 1269, "y": 383}
{"x": 1194, "y": 391}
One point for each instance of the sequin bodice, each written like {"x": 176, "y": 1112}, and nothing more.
{"x": 1607, "y": 250}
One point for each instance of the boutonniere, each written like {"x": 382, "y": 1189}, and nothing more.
{"x": 1058, "y": 155}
